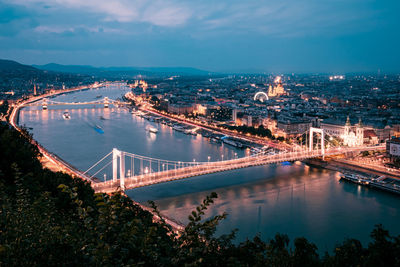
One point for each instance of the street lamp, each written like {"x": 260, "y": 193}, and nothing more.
{"x": 208, "y": 159}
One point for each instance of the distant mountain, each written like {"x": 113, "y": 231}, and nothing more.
{"x": 122, "y": 71}
{"x": 10, "y": 65}
{"x": 82, "y": 69}
{"x": 176, "y": 70}
{"x": 21, "y": 78}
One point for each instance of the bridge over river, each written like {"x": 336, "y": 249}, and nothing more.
{"x": 154, "y": 171}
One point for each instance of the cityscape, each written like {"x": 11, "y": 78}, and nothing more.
{"x": 240, "y": 158}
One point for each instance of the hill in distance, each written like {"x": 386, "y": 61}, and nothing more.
{"x": 10, "y": 65}
{"x": 122, "y": 71}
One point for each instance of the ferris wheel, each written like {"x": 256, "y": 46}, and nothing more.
{"x": 261, "y": 96}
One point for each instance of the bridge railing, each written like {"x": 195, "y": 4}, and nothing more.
{"x": 201, "y": 168}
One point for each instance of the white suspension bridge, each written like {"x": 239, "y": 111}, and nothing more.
{"x": 45, "y": 103}
{"x": 131, "y": 171}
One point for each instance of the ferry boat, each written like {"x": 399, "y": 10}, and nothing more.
{"x": 98, "y": 129}
{"x": 231, "y": 142}
{"x": 178, "y": 128}
{"x": 379, "y": 183}
{"x": 66, "y": 115}
{"x": 152, "y": 129}
{"x": 357, "y": 179}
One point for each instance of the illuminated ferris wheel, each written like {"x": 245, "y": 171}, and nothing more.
{"x": 261, "y": 96}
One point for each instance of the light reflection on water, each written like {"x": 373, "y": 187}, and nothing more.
{"x": 298, "y": 200}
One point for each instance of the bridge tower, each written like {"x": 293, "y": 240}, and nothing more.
{"x": 311, "y": 143}
{"x": 44, "y": 104}
{"x": 106, "y": 102}
{"x": 117, "y": 154}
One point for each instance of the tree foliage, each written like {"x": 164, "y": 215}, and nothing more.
{"x": 260, "y": 131}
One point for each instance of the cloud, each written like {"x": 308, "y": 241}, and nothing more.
{"x": 159, "y": 13}
{"x": 76, "y": 29}
{"x": 206, "y": 18}
{"x": 289, "y": 18}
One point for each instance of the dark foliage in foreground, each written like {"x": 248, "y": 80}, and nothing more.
{"x": 50, "y": 218}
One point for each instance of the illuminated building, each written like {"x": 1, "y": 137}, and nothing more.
{"x": 352, "y": 135}
{"x": 393, "y": 150}
{"x": 278, "y": 89}
{"x": 141, "y": 84}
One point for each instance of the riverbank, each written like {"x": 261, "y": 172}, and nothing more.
{"x": 347, "y": 166}
{"x": 56, "y": 164}
{"x": 220, "y": 130}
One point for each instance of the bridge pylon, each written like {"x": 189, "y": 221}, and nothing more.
{"x": 106, "y": 102}
{"x": 311, "y": 143}
{"x": 117, "y": 154}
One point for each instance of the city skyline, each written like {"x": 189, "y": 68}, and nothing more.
{"x": 267, "y": 36}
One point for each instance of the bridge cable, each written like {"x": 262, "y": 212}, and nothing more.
{"x": 101, "y": 169}
{"x": 94, "y": 165}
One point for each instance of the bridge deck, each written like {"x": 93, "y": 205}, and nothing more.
{"x": 214, "y": 167}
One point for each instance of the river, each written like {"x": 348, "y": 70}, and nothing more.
{"x": 294, "y": 199}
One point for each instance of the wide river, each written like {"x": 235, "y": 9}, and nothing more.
{"x": 295, "y": 199}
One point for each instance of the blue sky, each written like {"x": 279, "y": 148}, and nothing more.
{"x": 271, "y": 35}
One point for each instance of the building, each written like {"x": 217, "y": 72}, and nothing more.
{"x": 278, "y": 89}
{"x": 200, "y": 109}
{"x": 180, "y": 108}
{"x": 294, "y": 127}
{"x": 234, "y": 114}
{"x": 384, "y": 133}
{"x": 370, "y": 137}
{"x": 244, "y": 119}
{"x": 396, "y": 130}
{"x": 393, "y": 150}
{"x": 352, "y": 135}
{"x": 141, "y": 84}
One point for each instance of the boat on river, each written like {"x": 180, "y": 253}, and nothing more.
{"x": 151, "y": 129}
{"x": 98, "y": 129}
{"x": 66, "y": 115}
{"x": 382, "y": 182}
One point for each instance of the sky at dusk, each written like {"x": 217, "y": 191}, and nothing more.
{"x": 271, "y": 36}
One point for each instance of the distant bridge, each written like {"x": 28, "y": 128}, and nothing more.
{"x": 45, "y": 103}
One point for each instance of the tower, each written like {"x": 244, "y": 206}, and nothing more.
{"x": 359, "y": 133}
{"x": 234, "y": 115}
{"x": 34, "y": 89}
{"x": 347, "y": 127}
{"x": 271, "y": 91}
